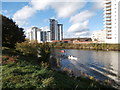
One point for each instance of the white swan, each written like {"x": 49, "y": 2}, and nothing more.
{"x": 72, "y": 57}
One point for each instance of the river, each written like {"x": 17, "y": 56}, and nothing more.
{"x": 100, "y": 64}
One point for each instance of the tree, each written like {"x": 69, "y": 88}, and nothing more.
{"x": 11, "y": 33}
{"x": 44, "y": 52}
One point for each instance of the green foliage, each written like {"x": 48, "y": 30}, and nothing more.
{"x": 30, "y": 76}
{"x": 94, "y": 46}
{"x": 44, "y": 51}
{"x": 27, "y": 48}
{"x": 11, "y": 33}
{"x": 34, "y": 49}
{"x": 28, "y": 73}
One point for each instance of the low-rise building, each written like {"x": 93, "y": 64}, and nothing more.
{"x": 99, "y": 36}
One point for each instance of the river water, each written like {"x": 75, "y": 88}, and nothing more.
{"x": 102, "y": 65}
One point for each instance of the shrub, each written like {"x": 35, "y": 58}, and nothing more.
{"x": 27, "y": 48}
{"x": 48, "y": 82}
{"x": 44, "y": 52}
{"x": 41, "y": 50}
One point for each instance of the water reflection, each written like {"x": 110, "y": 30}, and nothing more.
{"x": 100, "y": 64}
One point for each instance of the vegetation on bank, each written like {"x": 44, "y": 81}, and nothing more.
{"x": 25, "y": 70}
{"x": 90, "y": 46}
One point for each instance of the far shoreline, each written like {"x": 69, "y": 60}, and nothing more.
{"x": 86, "y": 46}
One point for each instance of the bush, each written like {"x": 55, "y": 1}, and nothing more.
{"x": 44, "y": 51}
{"x": 27, "y": 48}
{"x": 41, "y": 50}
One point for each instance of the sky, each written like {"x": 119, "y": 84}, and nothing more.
{"x": 79, "y": 18}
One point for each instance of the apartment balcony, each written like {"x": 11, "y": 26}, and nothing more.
{"x": 108, "y": 9}
{"x": 108, "y": 27}
{"x": 109, "y": 20}
{"x": 109, "y": 37}
{"x": 109, "y": 31}
{"x": 108, "y": 23}
{"x": 108, "y": 12}
{"x": 107, "y": 15}
{"x": 108, "y": 6}
{"x": 108, "y": 2}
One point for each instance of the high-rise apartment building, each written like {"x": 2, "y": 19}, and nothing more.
{"x": 34, "y": 34}
{"x": 60, "y": 31}
{"x": 39, "y": 35}
{"x": 112, "y": 20}
{"x": 56, "y": 30}
{"x": 45, "y": 36}
{"x": 53, "y": 29}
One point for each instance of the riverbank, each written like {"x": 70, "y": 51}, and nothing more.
{"x": 90, "y": 46}
{"x": 26, "y": 71}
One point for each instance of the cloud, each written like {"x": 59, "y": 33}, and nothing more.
{"x": 76, "y": 35}
{"x": 46, "y": 28}
{"x": 40, "y": 5}
{"x": 66, "y": 9}
{"x": 82, "y": 16}
{"x": 98, "y": 5}
{"x": 63, "y": 9}
{"x": 83, "y": 34}
{"x": 4, "y": 12}
{"x": 23, "y": 14}
{"x": 78, "y": 27}
{"x": 80, "y": 23}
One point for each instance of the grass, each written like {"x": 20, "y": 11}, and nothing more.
{"x": 20, "y": 71}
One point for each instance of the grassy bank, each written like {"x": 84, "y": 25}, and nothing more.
{"x": 92, "y": 46}
{"x": 21, "y": 71}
